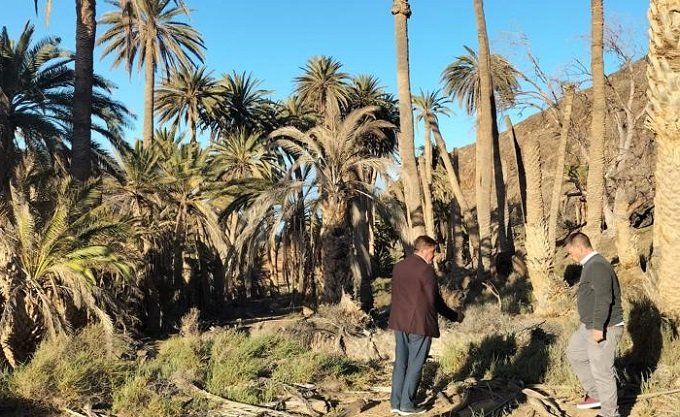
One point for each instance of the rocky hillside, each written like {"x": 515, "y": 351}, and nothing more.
{"x": 637, "y": 177}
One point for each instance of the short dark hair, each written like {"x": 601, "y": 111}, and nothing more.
{"x": 424, "y": 242}
{"x": 579, "y": 239}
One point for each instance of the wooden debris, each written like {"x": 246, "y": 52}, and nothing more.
{"x": 543, "y": 404}
{"x": 232, "y": 408}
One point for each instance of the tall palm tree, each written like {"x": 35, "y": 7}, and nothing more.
{"x": 334, "y": 155}
{"x": 187, "y": 96}
{"x": 596, "y": 152}
{"x": 461, "y": 80}
{"x": 430, "y": 106}
{"x": 663, "y": 72}
{"x": 425, "y": 104}
{"x": 86, "y": 26}
{"x": 487, "y": 134}
{"x": 323, "y": 86}
{"x": 412, "y": 190}
{"x": 147, "y": 31}
{"x": 36, "y": 98}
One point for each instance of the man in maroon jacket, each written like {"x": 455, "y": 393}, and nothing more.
{"x": 416, "y": 303}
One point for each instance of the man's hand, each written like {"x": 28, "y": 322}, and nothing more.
{"x": 597, "y": 335}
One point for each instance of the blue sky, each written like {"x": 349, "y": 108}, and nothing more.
{"x": 272, "y": 39}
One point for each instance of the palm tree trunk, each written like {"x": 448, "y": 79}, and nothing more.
{"x": 559, "y": 169}
{"x": 457, "y": 236}
{"x": 86, "y": 26}
{"x": 6, "y": 147}
{"x": 505, "y": 244}
{"x": 596, "y": 155}
{"x": 518, "y": 167}
{"x": 412, "y": 193}
{"x": 360, "y": 259}
{"x": 663, "y": 71}
{"x": 484, "y": 147}
{"x": 468, "y": 218}
{"x": 539, "y": 258}
{"x": 427, "y": 191}
{"x": 192, "y": 130}
{"x": 626, "y": 240}
{"x": 149, "y": 89}
{"x": 334, "y": 254}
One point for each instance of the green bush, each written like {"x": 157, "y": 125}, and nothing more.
{"x": 184, "y": 357}
{"x": 73, "y": 371}
{"x": 138, "y": 398}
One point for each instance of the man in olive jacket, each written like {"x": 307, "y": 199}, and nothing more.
{"x": 416, "y": 302}
{"x": 592, "y": 348}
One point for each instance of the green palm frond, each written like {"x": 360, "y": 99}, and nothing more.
{"x": 187, "y": 96}
{"x": 430, "y": 103}
{"x": 136, "y": 25}
{"x": 461, "y": 80}
{"x": 38, "y": 81}
{"x": 324, "y": 86}
{"x": 64, "y": 243}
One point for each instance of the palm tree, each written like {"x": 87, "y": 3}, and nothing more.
{"x": 412, "y": 192}
{"x": 187, "y": 194}
{"x": 461, "y": 80}
{"x": 37, "y": 97}
{"x": 425, "y": 104}
{"x": 147, "y": 31}
{"x": 64, "y": 244}
{"x": 324, "y": 87}
{"x": 540, "y": 266}
{"x": 487, "y": 134}
{"x": 334, "y": 155}
{"x": 430, "y": 105}
{"x": 365, "y": 90}
{"x": 242, "y": 155}
{"x": 295, "y": 112}
{"x": 242, "y": 105}
{"x": 664, "y": 97}
{"x": 596, "y": 152}
{"x": 86, "y": 25}
{"x": 187, "y": 96}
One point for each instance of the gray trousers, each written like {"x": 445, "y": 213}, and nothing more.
{"x": 593, "y": 364}
{"x": 410, "y": 353}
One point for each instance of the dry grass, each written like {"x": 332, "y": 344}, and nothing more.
{"x": 73, "y": 371}
{"x": 141, "y": 397}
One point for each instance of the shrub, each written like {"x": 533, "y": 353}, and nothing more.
{"x": 137, "y": 397}
{"x": 73, "y": 371}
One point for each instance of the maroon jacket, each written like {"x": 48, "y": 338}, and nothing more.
{"x": 415, "y": 298}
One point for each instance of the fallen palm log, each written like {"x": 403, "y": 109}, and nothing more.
{"x": 231, "y": 408}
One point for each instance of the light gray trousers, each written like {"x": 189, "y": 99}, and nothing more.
{"x": 593, "y": 363}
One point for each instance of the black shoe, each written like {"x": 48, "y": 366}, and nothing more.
{"x": 412, "y": 411}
